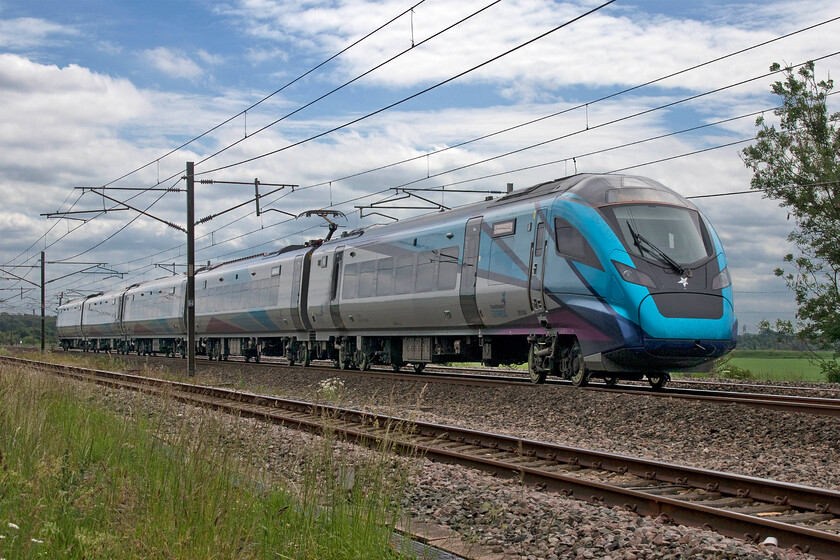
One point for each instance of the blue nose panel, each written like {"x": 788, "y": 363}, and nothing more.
{"x": 714, "y": 323}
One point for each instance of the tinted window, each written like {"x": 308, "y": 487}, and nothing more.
{"x": 404, "y": 278}
{"x": 425, "y": 278}
{"x": 367, "y": 274}
{"x": 385, "y": 277}
{"x": 573, "y": 245}
{"x": 540, "y": 241}
{"x": 350, "y": 283}
{"x": 448, "y": 270}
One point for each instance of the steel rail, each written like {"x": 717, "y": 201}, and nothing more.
{"x": 785, "y": 403}
{"x": 534, "y": 462}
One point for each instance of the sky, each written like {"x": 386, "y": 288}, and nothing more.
{"x": 350, "y": 99}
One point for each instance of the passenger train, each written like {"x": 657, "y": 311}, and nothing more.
{"x": 593, "y": 275}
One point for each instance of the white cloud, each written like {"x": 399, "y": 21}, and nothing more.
{"x": 172, "y": 63}
{"x": 209, "y": 58}
{"x": 260, "y": 56}
{"x": 620, "y": 45}
{"x": 23, "y": 33}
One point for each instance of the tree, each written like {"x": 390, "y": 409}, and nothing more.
{"x": 781, "y": 327}
{"x": 798, "y": 164}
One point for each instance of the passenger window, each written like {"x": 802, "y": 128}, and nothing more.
{"x": 403, "y": 281}
{"x": 350, "y": 283}
{"x": 367, "y": 274}
{"x": 448, "y": 271}
{"x": 385, "y": 277}
{"x": 425, "y": 278}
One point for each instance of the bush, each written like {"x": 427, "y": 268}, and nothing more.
{"x": 831, "y": 369}
{"x": 723, "y": 368}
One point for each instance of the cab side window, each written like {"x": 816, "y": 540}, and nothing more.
{"x": 571, "y": 244}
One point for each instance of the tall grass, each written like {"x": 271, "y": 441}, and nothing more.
{"x": 79, "y": 481}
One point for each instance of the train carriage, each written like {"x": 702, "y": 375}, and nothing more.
{"x": 68, "y": 324}
{"x": 252, "y": 306}
{"x": 154, "y": 317}
{"x": 102, "y": 321}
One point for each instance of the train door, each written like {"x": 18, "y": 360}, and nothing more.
{"x": 536, "y": 293}
{"x": 335, "y": 285}
{"x": 469, "y": 272}
{"x": 299, "y": 319}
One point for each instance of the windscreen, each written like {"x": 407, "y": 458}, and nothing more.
{"x": 676, "y": 231}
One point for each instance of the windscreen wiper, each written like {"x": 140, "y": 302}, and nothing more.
{"x": 651, "y": 248}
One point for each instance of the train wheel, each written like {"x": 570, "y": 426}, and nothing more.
{"x": 611, "y": 381}
{"x": 397, "y": 366}
{"x": 537, "y": 375}
{"x": 418, "y": 368}
{"x": 364, "y": 363}
{"x": 579, "y": 373}
{"x": 303, "y": 355}
{"x": 658, "y": 380}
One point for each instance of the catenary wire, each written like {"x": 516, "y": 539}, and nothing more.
{"x": 304, "y": 106}
{"x": 441, "y": 83}
{"x": 581, "y": 105}
{"x": 620, "y": 92}
{"x": 244, "y": 111}
{"x": 412, "y": 96}
{"x": 421, "y": 156}
{"x": 578, "y": 156}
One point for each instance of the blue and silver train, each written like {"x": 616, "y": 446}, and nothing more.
{"x": 609, "y": 276}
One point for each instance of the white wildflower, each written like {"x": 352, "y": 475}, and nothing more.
{"x": 37, "y": 541}
{"x": 13, "y": 526}
{"x": 331, "y": 388}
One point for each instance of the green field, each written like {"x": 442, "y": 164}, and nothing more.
{"x": 779, "y": 365}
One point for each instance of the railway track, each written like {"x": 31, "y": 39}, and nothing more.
{"x": 744, "y": 507}
{"x": 488, "y": 377}
{"x": 786, "y": 403}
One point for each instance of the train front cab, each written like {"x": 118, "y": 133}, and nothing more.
{"x": 674, "y": 285}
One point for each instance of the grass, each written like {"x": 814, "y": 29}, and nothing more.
{"x": 779, "y": 365}
{"x": 80, "y": 481}
{"x": 762, "y": 365}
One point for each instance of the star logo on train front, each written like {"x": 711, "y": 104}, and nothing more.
{"x": 684, "y": 282}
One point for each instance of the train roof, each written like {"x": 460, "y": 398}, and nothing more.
{"x": 593, "y": 189}
{"x": 601, "y": 189}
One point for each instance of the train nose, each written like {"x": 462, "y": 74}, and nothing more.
{"x": 686, "y": 316}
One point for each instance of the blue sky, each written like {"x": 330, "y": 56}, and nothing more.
{"x": 95, "y": 89}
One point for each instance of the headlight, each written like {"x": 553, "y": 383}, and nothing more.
{"x": 633, "y": 275}
{"x": 722, "y": 280}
